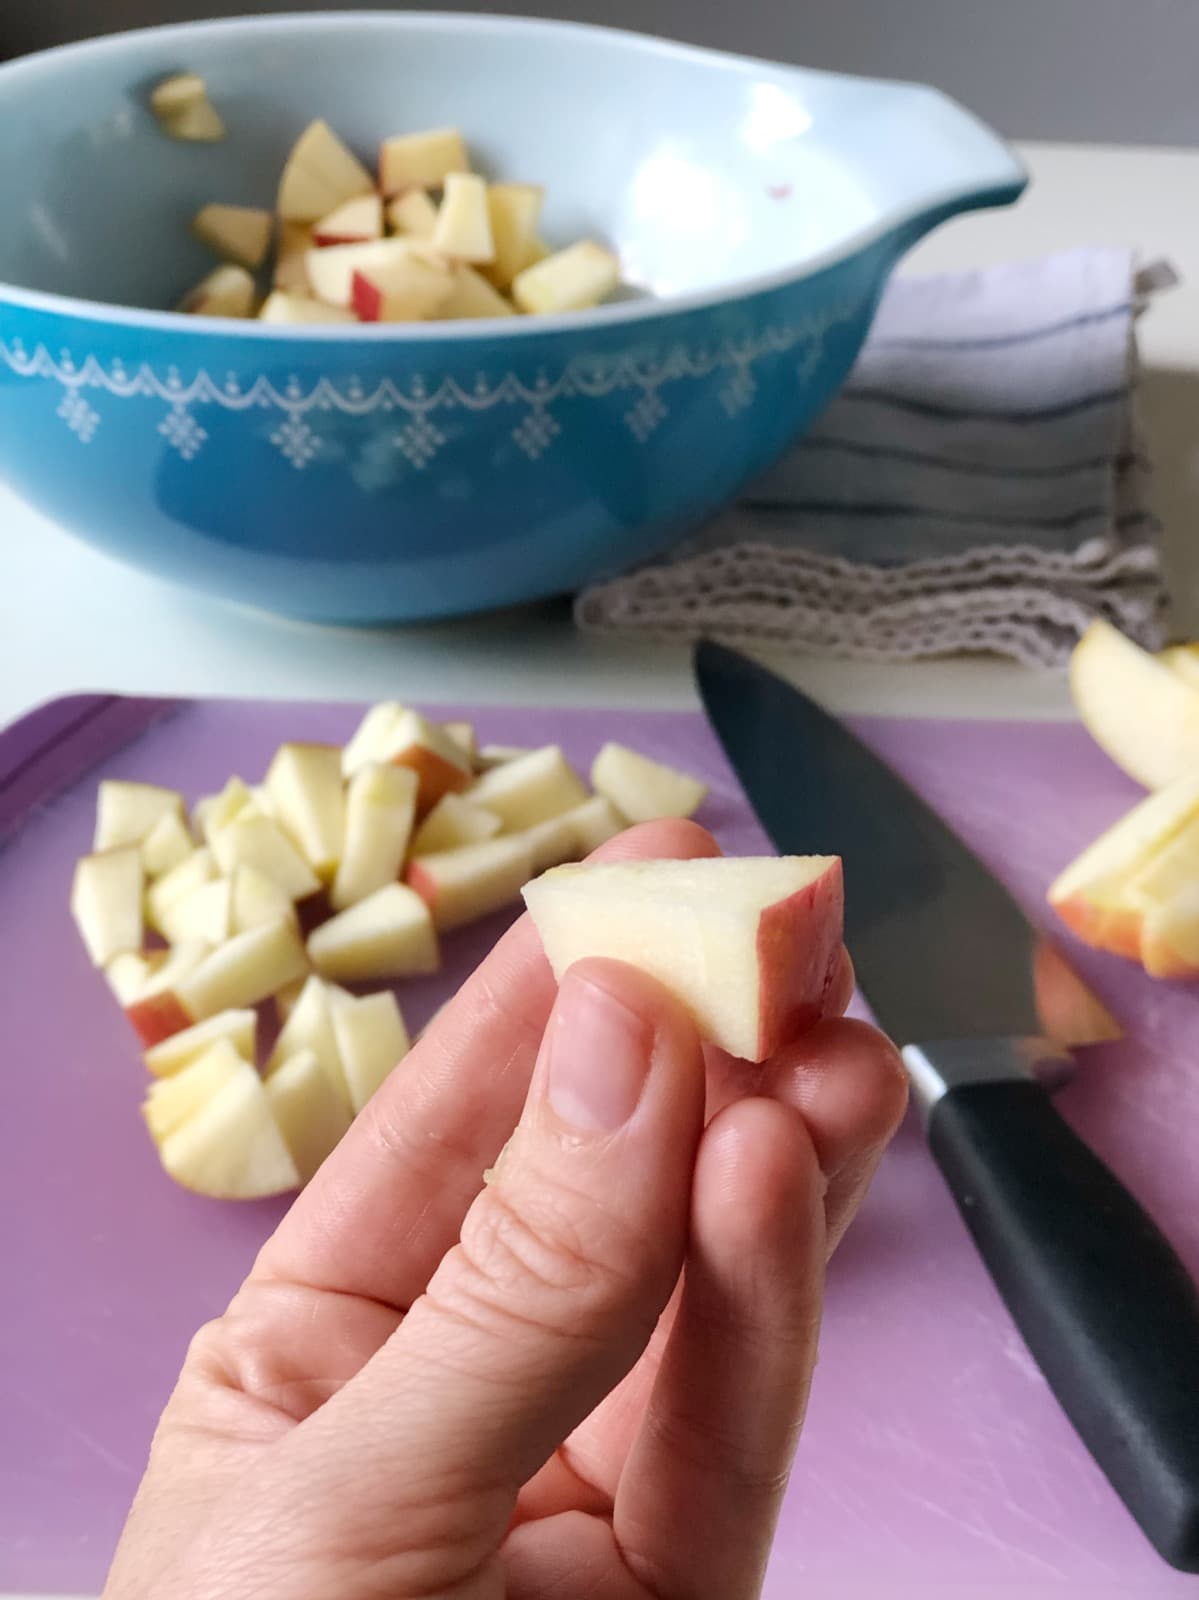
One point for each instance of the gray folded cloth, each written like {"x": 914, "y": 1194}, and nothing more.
{"x": 979, "y": 484}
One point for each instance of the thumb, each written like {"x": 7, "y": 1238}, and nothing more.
{"x": 563, "y": 1267}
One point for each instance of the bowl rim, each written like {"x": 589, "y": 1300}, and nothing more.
{"x": 1002, "y": 188}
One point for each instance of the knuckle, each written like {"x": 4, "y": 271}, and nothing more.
{"x": 698, "y": 1441}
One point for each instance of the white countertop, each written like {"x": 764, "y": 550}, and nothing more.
{"x": 72, "y": 619}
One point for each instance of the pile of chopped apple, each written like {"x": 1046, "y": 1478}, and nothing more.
{"x": 246, "y": 916}
{"x": 1135, "y": 891}
{"x": 427, "y": 240}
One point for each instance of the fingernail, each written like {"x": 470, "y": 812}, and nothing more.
{"x": 599, "y": 1057}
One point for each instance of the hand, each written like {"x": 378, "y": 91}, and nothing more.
{"x": 585, "y": 1381}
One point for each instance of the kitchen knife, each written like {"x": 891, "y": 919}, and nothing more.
{"x": 946, "y": 959}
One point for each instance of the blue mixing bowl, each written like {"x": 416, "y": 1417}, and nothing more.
{"x": 373, "y": 474}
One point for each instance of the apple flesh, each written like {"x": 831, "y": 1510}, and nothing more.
{"x": 460, "y": 886}
{"x": 129, "y": 973}
{"x": 371, "y": 1039}
{"x": 354, "y": 222}
{"x": 321, "y": 174}
{"x": 1183, "y": 661}
{"x": 106, "y": 902}
{"x": 387, "y": 935}
{"x": 290, "y": 276}
{"x": 311, "y": 1114}
{"x": 380, "y": 811}
{"x": 155, "y": 1011}
{"x": 236, "y": 1028}
{"x": 184, "y": 111}
{"x": 392, "y": 267}
{"x": 257, "y": 899}
{"x": 421, "y": 160}
{"x": 472, "y": 297}
{"x": 127, "y": 813}
{"x": 750, "y": 947}
{"x": 304, "y": 783}
{"x": 641, "y": 789}
{"x": 404, "y": 290}
{"x": 279, "y": 307}
{"x": 309, "y": 1027}
{"x": 194, "y": 871}
{"x": 171, "y": 1101}
{"x": 530, "y": 789}
{"x": 230, "y": 1147}
{"x": 390, "y": 733}
{"x": 594, "y": 823}
{"x": 167, "y": 845}
{"x": 206, "y": 913}
{"x": 213, "y": 812}
{"x": 412, "y": 213}
{"x": 246, "y": 969}
{"x": 227, "y": 292}
{"x": 241, "y": 234}
{"x": 256, "y": 841}
{"x": 463, "y": 228}
{"x": 1143, "y": 714}
{"x": 572, "y": 280}
{"x": 515, "y": 213}
{"x": 463, "y": 735}
{"x": 454, "y": 821}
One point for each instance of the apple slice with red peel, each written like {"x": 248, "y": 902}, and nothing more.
{"x": 309, "y": 1027}
{"x": 290, "y": 276}
{"x": 127, "y": 813}
{"x": 231, "y": 1147}
{"x": 167, "y": 845}
{"x": 256, "y": 841}
{"x": 257, "y": 899}
{"x": 390, "y": 733}
{"x": 389, "y": 267}
{"x": 321, "y": 174}
{"x": 236, "y": 1028}
{"x": 295, "y": 308}
{"x": 106, "y": 902}
{"x": 454, "y": 821}
{"x": 155, "y": 1012}
{"x": 171, "y": 1101}
{"x": 184, "y": 111}
{"x": 206, "y": 913}
{"x": 304, "y": 783}
{"x": 413, "y": 214}
{"x": 387, "y": 935}
{"x": 311, "y": 1114}
{"x": 404, "y": 290}
{"x": 460, "y": 886}
{"x": 241, "y": 234}
{"x": 371, "y": 1039}
{"x": 643, "y": 790}
{"x": 192, "y": 873}
{"x": 572, "y": 280}
{"x": 463, "y": 228}
{"x": 530, "y": 789}
{"x": 353, "y": 222}
{"x": 515, "y": 213}
{"x": 246, "y": 969}
{"x": 751, "y": 947}
{"x": 421, "y": 160}
{"x": 472, "y": 297}
{"x": 1143, "y": 714}
{"x": 380, "y": 811}
{"x": 594, "y": 822}
{"x": 227, "y": 292}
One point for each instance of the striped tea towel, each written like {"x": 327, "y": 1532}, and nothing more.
{"x": 978, "y": 485}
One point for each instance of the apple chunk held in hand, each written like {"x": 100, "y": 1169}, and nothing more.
{"x": 586, "y": 1380}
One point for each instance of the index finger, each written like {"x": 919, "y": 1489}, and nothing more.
{"x": 390, "y": 1201}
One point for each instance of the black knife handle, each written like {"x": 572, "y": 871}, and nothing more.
{"x": 1106, "y": 1307}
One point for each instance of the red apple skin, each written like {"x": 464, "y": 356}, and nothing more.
{"x": 1070, "y": 1013}
{"x": 436, "y": 776}
{"x": 158, "y": 1017}
{"x": 365, "y": 298}
{"x": 423, "y": 882}
{"x": 799, "y": 954}
{"x": 1161, "y": 960}
{"x": 1102, "y": 927}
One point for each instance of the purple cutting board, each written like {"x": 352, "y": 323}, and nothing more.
{"x": 935, "y": 1462}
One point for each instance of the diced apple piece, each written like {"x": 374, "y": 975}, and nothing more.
{"x": 227, "y": 292}
{"x": 291, "y": 259}
{"x": 352, "y": 223}
{"x": 257, "y": 899}
{"x": 311, "y": 1115}
{"x": 515, "y": 212}
{"x": 642, "y": 789}
{"x": 460, "y": 886}
{"x": 380, "y": 810}
{"x": 304, "y": 783}
{"x": 389, "y": 733}
{"x": 241, "y": 234}
{"x": 167, "y": 845}
{"x": 463, "y": 735}
{"x": 184, "y": 111}
{"x": 236, "y": 1028}
{"x": 1170, "y": 935}
{"x": 463, "y": 223}
{"x": 129, "y": 973}
{"x": 106, "y": 902}
{"x": 258, "y": 842}
{"x": 405, "y": 290}
{"x": 413, "y": 213}
{"x": 551, "y": 842}
{"x": 217, "y": 811}
{"x": 247, "y": 969}
{"x": 530, "y": 789}
{"x": 296, "y": 308}
{"x": 750, "y": 947}
{"x": 155, "y": 1012}
{"x": 390, "y": 265}
{"x": 594, "y": 822}
{"x": 387, "y": 935}
{"x": 498, "y": 755}
{"x": 371, "y": 1039}
{"x": 1183, "y": 662}
{"x": 1143, "y": 714}
{"x": 126, "y": 813}
{"x": 231, "y": 1147}
{"x": 206, "y": 913}
{"x": 572, "y": 280}
{"x": 321, "y": 174}
{"x": 171, "y": 1101}
{"x": 309, "y": 1027}
{"x": 196, "y": 870}
{"x": 454, "y": 821}
{"x": 471, "y": 296}
{"x": 421, "y": 160}
{"x": 287, "y": 998}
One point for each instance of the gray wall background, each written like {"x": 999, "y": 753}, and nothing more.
{"x": 1092, "y": 70}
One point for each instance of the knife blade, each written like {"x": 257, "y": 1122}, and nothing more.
{"x": 946, "y": 959}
